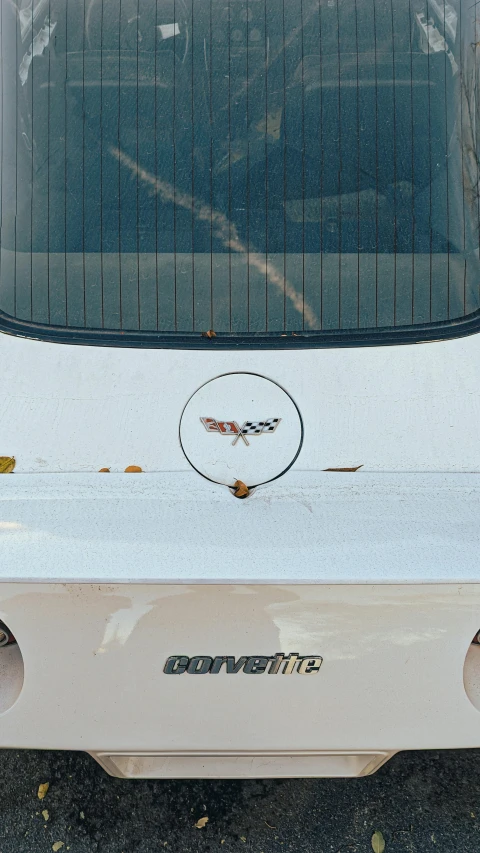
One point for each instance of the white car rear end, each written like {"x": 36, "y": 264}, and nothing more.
{"x": 148, "y": 385}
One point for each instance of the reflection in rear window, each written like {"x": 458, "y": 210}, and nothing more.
{"x": 262, "y": 168}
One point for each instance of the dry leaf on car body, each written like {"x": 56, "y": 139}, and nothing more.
{"x": 241, "y": 490}
{"x": 7, "y": 464}
{"x": 345, "y": 470}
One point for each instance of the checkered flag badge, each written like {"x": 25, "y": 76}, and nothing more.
{"x": 257, "y": 427}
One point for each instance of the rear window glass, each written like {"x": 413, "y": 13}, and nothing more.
{"x": 274, "y": 171}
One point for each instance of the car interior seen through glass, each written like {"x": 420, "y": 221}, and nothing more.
{"x": 271, "y": 170}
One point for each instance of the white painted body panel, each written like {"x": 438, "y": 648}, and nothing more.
{"x": 392, "y": 676}
{"x": 75, "y": 408}
{"x": 105, "y": 576}
{"x": 377, "y": 573}
{"x": 180, "y": 528}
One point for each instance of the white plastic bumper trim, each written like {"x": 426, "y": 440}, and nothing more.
{"x": 240, "y": 765}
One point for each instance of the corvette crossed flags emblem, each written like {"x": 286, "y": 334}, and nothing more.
{"x": 248, "y": 428}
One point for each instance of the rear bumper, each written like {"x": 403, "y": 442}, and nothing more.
{"x": 107, "y": 577}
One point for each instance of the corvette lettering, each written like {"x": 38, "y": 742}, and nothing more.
{"x": 247, "y": 428}
{"x": 250, "y": 665}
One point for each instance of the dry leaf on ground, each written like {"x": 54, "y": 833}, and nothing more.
{"x": 378, "y": 842}
{"x": 42, "y": 790}
{"x": 7, "y": 464}
{"x": 45, "y": 814}
{"x": 201, "y": 822}
{"x": 57, "y": 846}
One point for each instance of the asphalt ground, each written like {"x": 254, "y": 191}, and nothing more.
{"x": 426, "y": 801}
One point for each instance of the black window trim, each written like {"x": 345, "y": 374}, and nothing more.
{"x": 386, "y": 336}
